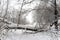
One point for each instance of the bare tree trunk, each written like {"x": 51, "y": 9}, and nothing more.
{"x": 6, "y": 9}
{"x": 2, "y": 8}
{"x": 56, "y": 18}
{"x": 20, "y": 13}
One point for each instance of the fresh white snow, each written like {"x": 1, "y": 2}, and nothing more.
{"x": 22, "y": 35}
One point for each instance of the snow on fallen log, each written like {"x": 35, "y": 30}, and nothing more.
{"x": 14, "y": 26}
{"x": 24, "y": 27}
{"x": 31, "y": 29}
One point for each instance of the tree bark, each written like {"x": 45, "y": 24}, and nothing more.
{"x": 56, "y": 18}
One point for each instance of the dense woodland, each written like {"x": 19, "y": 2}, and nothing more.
{"x": 22, "y": 12}
{"x": 34, "y": 15}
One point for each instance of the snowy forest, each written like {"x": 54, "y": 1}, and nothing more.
{"x": 29, "y": 19}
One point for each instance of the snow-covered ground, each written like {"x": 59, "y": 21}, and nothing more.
{"x": 22, "y": 35}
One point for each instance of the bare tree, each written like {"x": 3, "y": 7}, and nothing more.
{"x": 6, "y": 8}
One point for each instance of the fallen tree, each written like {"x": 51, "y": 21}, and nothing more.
{"x": 10, "y": 25}
{"x": 31, "y": 29}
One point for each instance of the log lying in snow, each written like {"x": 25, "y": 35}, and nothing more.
{"x": 31, "y": 29}
{"x": 24, "y": 27}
